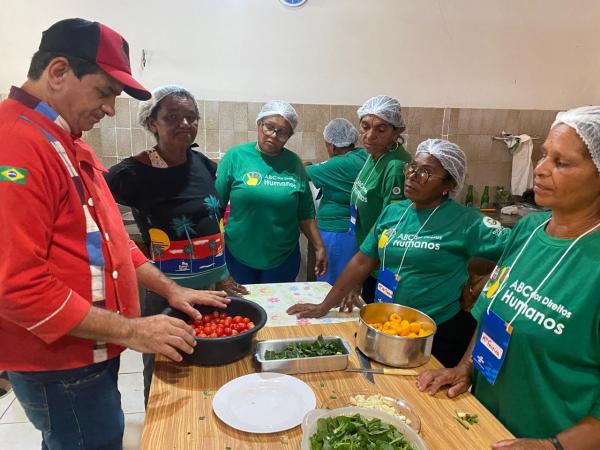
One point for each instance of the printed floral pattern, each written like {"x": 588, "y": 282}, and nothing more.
{"x": 276, "y": 298}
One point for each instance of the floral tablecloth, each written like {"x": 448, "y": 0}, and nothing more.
{"x": 276, "y": 298}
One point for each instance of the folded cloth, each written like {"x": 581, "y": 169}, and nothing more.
{"x": 521, "y": 148}
{"x": 510, "y": 210}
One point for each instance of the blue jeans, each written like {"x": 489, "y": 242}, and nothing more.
{"x": 286, "y": 272}
{"x": 75, "y": 409}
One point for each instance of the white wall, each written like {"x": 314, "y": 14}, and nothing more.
{"x": 526, "y": 54}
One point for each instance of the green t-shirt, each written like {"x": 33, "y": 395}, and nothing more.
{"x": 335, "y": 177}
{"x": 435, "y": 266}
{"x": 269, "y": 197}
{"x": 378, "y": 184}
{"x": 551, "y": 375}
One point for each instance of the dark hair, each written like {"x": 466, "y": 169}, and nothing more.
{"x": 41, "y": 59}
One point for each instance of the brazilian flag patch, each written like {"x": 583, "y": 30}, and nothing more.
{"x": 13, "y": 174}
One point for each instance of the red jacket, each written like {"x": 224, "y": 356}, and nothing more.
{"x": 45, "y": 281}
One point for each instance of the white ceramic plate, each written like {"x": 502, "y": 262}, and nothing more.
{"x": 263, "y": 402}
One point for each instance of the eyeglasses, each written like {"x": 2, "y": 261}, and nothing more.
{"x": 281, "y": 134}
{"x": 423, "y": 175}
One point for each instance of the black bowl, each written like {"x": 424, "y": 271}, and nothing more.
{"x": 224, "y": 350}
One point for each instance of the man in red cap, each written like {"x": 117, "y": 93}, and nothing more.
{"x": 68, "y": 271}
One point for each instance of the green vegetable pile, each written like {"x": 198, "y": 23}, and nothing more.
{"x": 320, "y": 347}
{"x": 357, "y": 433}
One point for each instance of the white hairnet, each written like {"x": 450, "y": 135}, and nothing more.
{"x": 585, "y": 120}
{"x": 340, "y": 132}
{"x": 450, "y": 156}
{"x": 147, "y": 107}
{"x": 279, "y": 108}
{"x": 384, "y": 107}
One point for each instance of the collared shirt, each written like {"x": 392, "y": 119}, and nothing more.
{"x": 45, "y": 276}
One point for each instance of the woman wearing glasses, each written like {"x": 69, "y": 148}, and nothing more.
{"x": 267, "y": 187}
{"x": 422, "y": 247}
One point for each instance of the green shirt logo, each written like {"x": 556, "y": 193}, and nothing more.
{"x": 252, "y": 178}
{"x": 13, "y": 174}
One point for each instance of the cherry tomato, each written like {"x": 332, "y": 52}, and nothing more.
{"x": 213, "y": 335}
{"x": 237, "y": 319}
{"x": 227, "y": 331}
{"x": 234, "y": 332}
{"x": 245, "y": 320}
{"x": 202, "y": 335}
{"x": 215, "y": 314}
{"x": 250, "y": 325}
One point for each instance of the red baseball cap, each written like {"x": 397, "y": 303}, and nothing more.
{"x": 96, "y": 43}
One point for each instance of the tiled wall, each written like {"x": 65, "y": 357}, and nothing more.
{"x": 224, "y": 124}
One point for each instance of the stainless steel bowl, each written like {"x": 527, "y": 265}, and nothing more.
{"x": 395, "y": 351}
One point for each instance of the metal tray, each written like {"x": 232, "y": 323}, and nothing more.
{"x": 300, "y": 365}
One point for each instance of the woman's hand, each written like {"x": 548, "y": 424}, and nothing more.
{"x": 523, "y": 444}
{"x": 351, "y": 300}
{"x": 307, "y": 310}
{"x": 184, "y": 300}
{"x": 320, "y": 261}
{"x": 231, "y": 287}
{"x": 457, "y": 379}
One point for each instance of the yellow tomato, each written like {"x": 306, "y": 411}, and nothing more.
{"x": 388, "y": 325}
{"x": 395, "y": 318}
{"x": 415, "y": 327}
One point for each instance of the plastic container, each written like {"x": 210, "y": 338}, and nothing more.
{"x": 309, "y": 424}
{"x": 224, "y": 350}
{"x": 400, "y": 406}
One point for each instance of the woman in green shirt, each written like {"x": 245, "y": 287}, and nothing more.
{"x": 267, "y": 188}
{"x": 335, "y": 178}
{"x": 545, "y": 287}
{"x": 424, "y": 245}
{"x": 381, "y": 179}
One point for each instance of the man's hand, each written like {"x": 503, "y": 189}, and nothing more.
{"x": 351, "y": 300}
{"x": 184, "y": 299}
{"x": 160, "y": 334}
{"x": 232, "y": 287}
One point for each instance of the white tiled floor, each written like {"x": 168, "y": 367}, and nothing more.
{"x": 16, "y": 433}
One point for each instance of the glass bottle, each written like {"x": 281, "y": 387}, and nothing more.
{"x": 469, "y": 197}
{"x": 485, "y": 198}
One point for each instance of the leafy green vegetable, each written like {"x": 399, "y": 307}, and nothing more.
{"x": 357, "y": 433}
{"x": 320, "y": 347}
{"x": 464, "y": 418}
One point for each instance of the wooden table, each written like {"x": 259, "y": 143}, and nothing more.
{"x": 179, "y": 414}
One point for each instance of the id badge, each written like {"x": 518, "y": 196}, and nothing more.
{"x": 387, "y": 282}
{"x": 490, "y": 349}
{"x": 353, "y": 215}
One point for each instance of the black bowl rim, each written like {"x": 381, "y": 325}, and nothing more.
{"x": 244, "y": 335}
